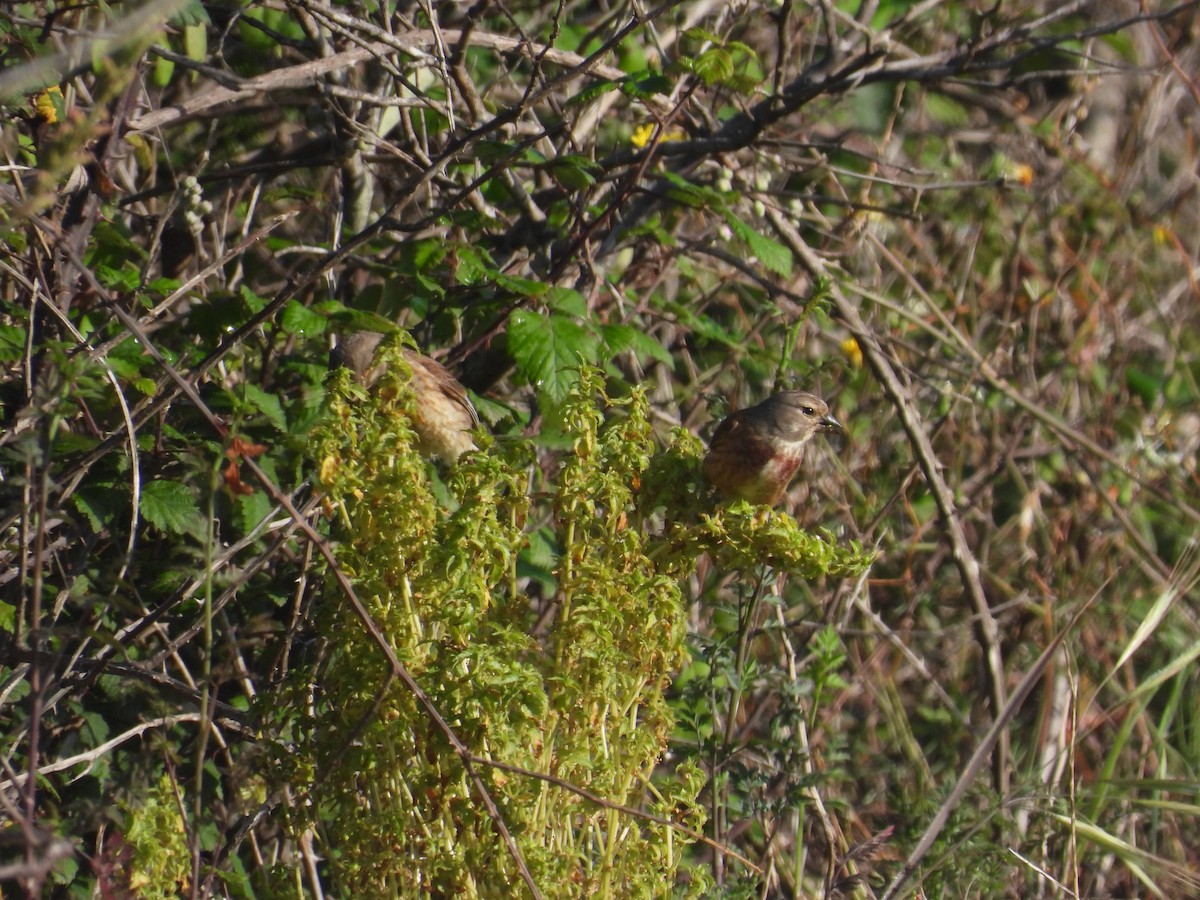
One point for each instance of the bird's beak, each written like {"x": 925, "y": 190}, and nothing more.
{"x": 829, "y": 423}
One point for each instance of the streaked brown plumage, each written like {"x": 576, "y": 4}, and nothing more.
{"x": 755, "y": 452}
{"x": 444, "y": 414}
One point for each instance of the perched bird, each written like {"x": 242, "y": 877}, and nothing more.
{"x": 444, "y": 414}
{"x": 756, "y": 451}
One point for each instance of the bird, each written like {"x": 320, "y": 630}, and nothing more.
{"x": 755, "y": 452}
{"x": 443, "y": 417}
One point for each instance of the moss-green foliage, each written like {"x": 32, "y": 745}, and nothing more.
{"x": 160, "y": 863}
{"x": 1006, "y": 197}
{"x": 401, "y": 812}
{"x": 586, "y": 707}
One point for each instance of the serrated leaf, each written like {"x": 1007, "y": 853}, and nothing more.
{"x": 433, "y": 286}
{"x": 695, "y": 195}
{"x": 591, "y": 92}
{"x": 772, "y": 254}
{"x": 489, "y": 152}
{"x": 349, "y": 320}
{"x": 566, "y": 300}
{"x": 574, "y": 171}
{"x": 163, "y": 286}
{"x": 703, "y": 326}
{"x": 298, "y": 319}
{"x": 739, "y": 47}
{"x": 472, "y": 265}
{"x": 681, "y": 65}
{"x": 167, "y": 505}
{"x": 123, "y": 278}
{"x": 700, "y": 35}
{"x": 422, "y": 255}
{"x": 523, "y": 287}
{"x": 12, "y": 343}
{"x": 95, "y": 729}
{"x": 742, "y": 83}
{"x": 253, "y": 302}
{"x": 713, "y": 66}
{"x": 125, "y": 368}
{"x": 642, "y": 85}
{"x": 622, "y": 338}
{"x": 548, "y": 350}
{"x": 267, "y": 404}
{"x": 251, "y": 509}
{"x": 98, "y": 504}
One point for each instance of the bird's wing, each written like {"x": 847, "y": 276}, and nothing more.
{"x": 432, "y": 375}
{"x": 752, "y": 449}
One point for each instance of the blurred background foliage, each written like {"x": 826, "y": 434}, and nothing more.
{"x": 960, "y": 659}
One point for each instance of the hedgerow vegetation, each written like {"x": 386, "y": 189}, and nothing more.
{"x": 252, "y": 644}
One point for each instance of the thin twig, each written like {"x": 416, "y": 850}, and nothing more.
{"x": 918, "y": 436}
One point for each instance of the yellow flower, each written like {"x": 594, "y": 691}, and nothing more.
{"x": 47, "y": 104}
{"x": 853, "y": 352}
{"x": 642, "y": 134}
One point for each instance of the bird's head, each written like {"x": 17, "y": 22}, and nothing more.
{"x": 800, "y": 415}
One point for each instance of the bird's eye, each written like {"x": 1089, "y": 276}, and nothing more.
{"x": 808, "y": 410}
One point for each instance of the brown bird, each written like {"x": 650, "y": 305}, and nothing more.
{"x": 756, "y": 451}
{"x": 444, "y": 414}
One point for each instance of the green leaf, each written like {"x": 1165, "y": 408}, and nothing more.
{"x": 567, "y": 301}
{"x": 548, "y": 350}
{"x": 695, "y": 195}
{"x": 1146, "y": 386}
{"x": 12, "y": 343}
{"x": 945, "y": 111}
{"x": 253, "y": 302}
{"x": 622, "y": 338}
{"x": 489, "y": 152}
{"x": 432, "y": 286}
{"x": 642, "y": 85}
{"x": 421, "y": 255}
{"x": 350, "y": 320}
{"x": 124, "y": 278}
{"x": 191, "y": 13}
{"x": 472, "y": 265}
{"x": 713, "y": 66}
{"x": 99, "y": 503}
{"x": 744, "y": 50}
{"x": 772, "y": 254}
{"x": 95, "y": 730}
{"x": 168, "y": 505}
{"x": 251, "y": 509}
{"x": 703, "y": 326}
{"x": 298, "y": 319}
{"x": 267, "y": 404}
{"x": 161, "y": 74}
{"x": 591, "y": 92}
{"x": 574, "y": 171}
{"x": 195, "y": 42}
{"x": 522, "y": 287}
{"x": 742, "y": 83}
{"x": 539, "y": 558}
{"x": 163, "y": 286}
{"x": 699, "y": 35}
